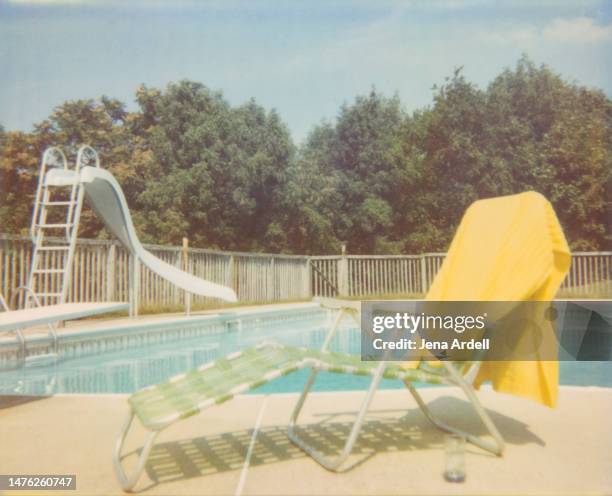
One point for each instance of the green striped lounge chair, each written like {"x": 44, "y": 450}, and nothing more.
{"x": 158, "y": 407}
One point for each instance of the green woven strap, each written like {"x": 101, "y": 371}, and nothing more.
{"x": 352, "y": 364}
{"x": 187, "y": 394}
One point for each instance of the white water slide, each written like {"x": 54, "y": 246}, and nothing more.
{"x": 106, "y": 198}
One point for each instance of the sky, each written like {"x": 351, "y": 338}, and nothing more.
{"x": 302, "y": 58}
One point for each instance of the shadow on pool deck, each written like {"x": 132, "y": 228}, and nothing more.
{"x": 205, "y": 455}
{"x": 12, "y": 401}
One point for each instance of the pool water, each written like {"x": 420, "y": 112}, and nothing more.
{"x": 130, "y": 370}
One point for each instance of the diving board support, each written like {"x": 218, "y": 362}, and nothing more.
{"x": 18, "y": 334}
{"x": 51, "y": 330}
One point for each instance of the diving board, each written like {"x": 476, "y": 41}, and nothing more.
{"x": 30, "y": 317}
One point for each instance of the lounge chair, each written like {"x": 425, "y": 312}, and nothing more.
{"x": 159, "y": 406}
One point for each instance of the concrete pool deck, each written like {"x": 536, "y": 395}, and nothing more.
{"x": 567, "y": 450}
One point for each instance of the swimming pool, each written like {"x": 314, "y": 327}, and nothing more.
{"x": 105, "y": 369}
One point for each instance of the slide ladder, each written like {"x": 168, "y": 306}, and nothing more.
{"x": 55, "y": 223}
{"x": 54, "y": 228}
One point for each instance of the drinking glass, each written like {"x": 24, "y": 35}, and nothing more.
{"x": 454, "y": 463}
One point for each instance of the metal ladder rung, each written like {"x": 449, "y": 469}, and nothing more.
{"x": 54, "y": 226}
{"x": 52, "y": 248}
{"x": 57, "y": 203}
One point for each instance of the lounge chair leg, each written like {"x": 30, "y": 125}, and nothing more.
{"x": 496, "y": 447}
{"x": 127, "y": 483}
{"x": 333, "y": 464}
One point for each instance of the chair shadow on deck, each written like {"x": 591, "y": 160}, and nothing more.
{"x": 395, "y": 430}
{"x": 10, "y": 401}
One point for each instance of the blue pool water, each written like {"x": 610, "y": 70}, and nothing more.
{"x": 129, "y": 370}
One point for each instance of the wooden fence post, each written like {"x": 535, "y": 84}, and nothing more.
{"x": 111, "y": 266}
{"x": 423, "y": 274}
{"x": 270, "y": 286}
{"x": 134, "y": 291}
{"x": 186, "y": 269}
{"x": 229, "y": 275}
{"x": 307, "y": 275}
{"x": 343, "y": 274}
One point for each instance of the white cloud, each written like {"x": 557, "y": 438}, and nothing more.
{"x": 520, "y": 36}
{"x": 49, "y": 2}
{"x": 578, "y": 30}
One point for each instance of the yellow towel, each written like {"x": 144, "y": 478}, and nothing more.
{"x": 510, "y": 248}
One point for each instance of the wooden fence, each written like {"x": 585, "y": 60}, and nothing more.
{"x": 102, "y": 271}
{"x": 388, "y": 275}
{"x": 372, "y": 275}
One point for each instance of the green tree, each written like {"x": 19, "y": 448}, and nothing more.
{"x": 312, "y": 198}
{"x": 363, "y": 155}
{"x": 555, "y": 137}
{"x": 221, "y": 169}
{"x": 19, "y": 156}
{"x": 455, "y": 168}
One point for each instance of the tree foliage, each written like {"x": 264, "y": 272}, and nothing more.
{"x": 220, "y": 171}
{"x": 378, "y": 179}
{"x": 408, "y": 178}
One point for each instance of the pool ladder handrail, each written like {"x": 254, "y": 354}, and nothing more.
{"x": 18, "y": 334}
{"x": 21, "y": 339}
